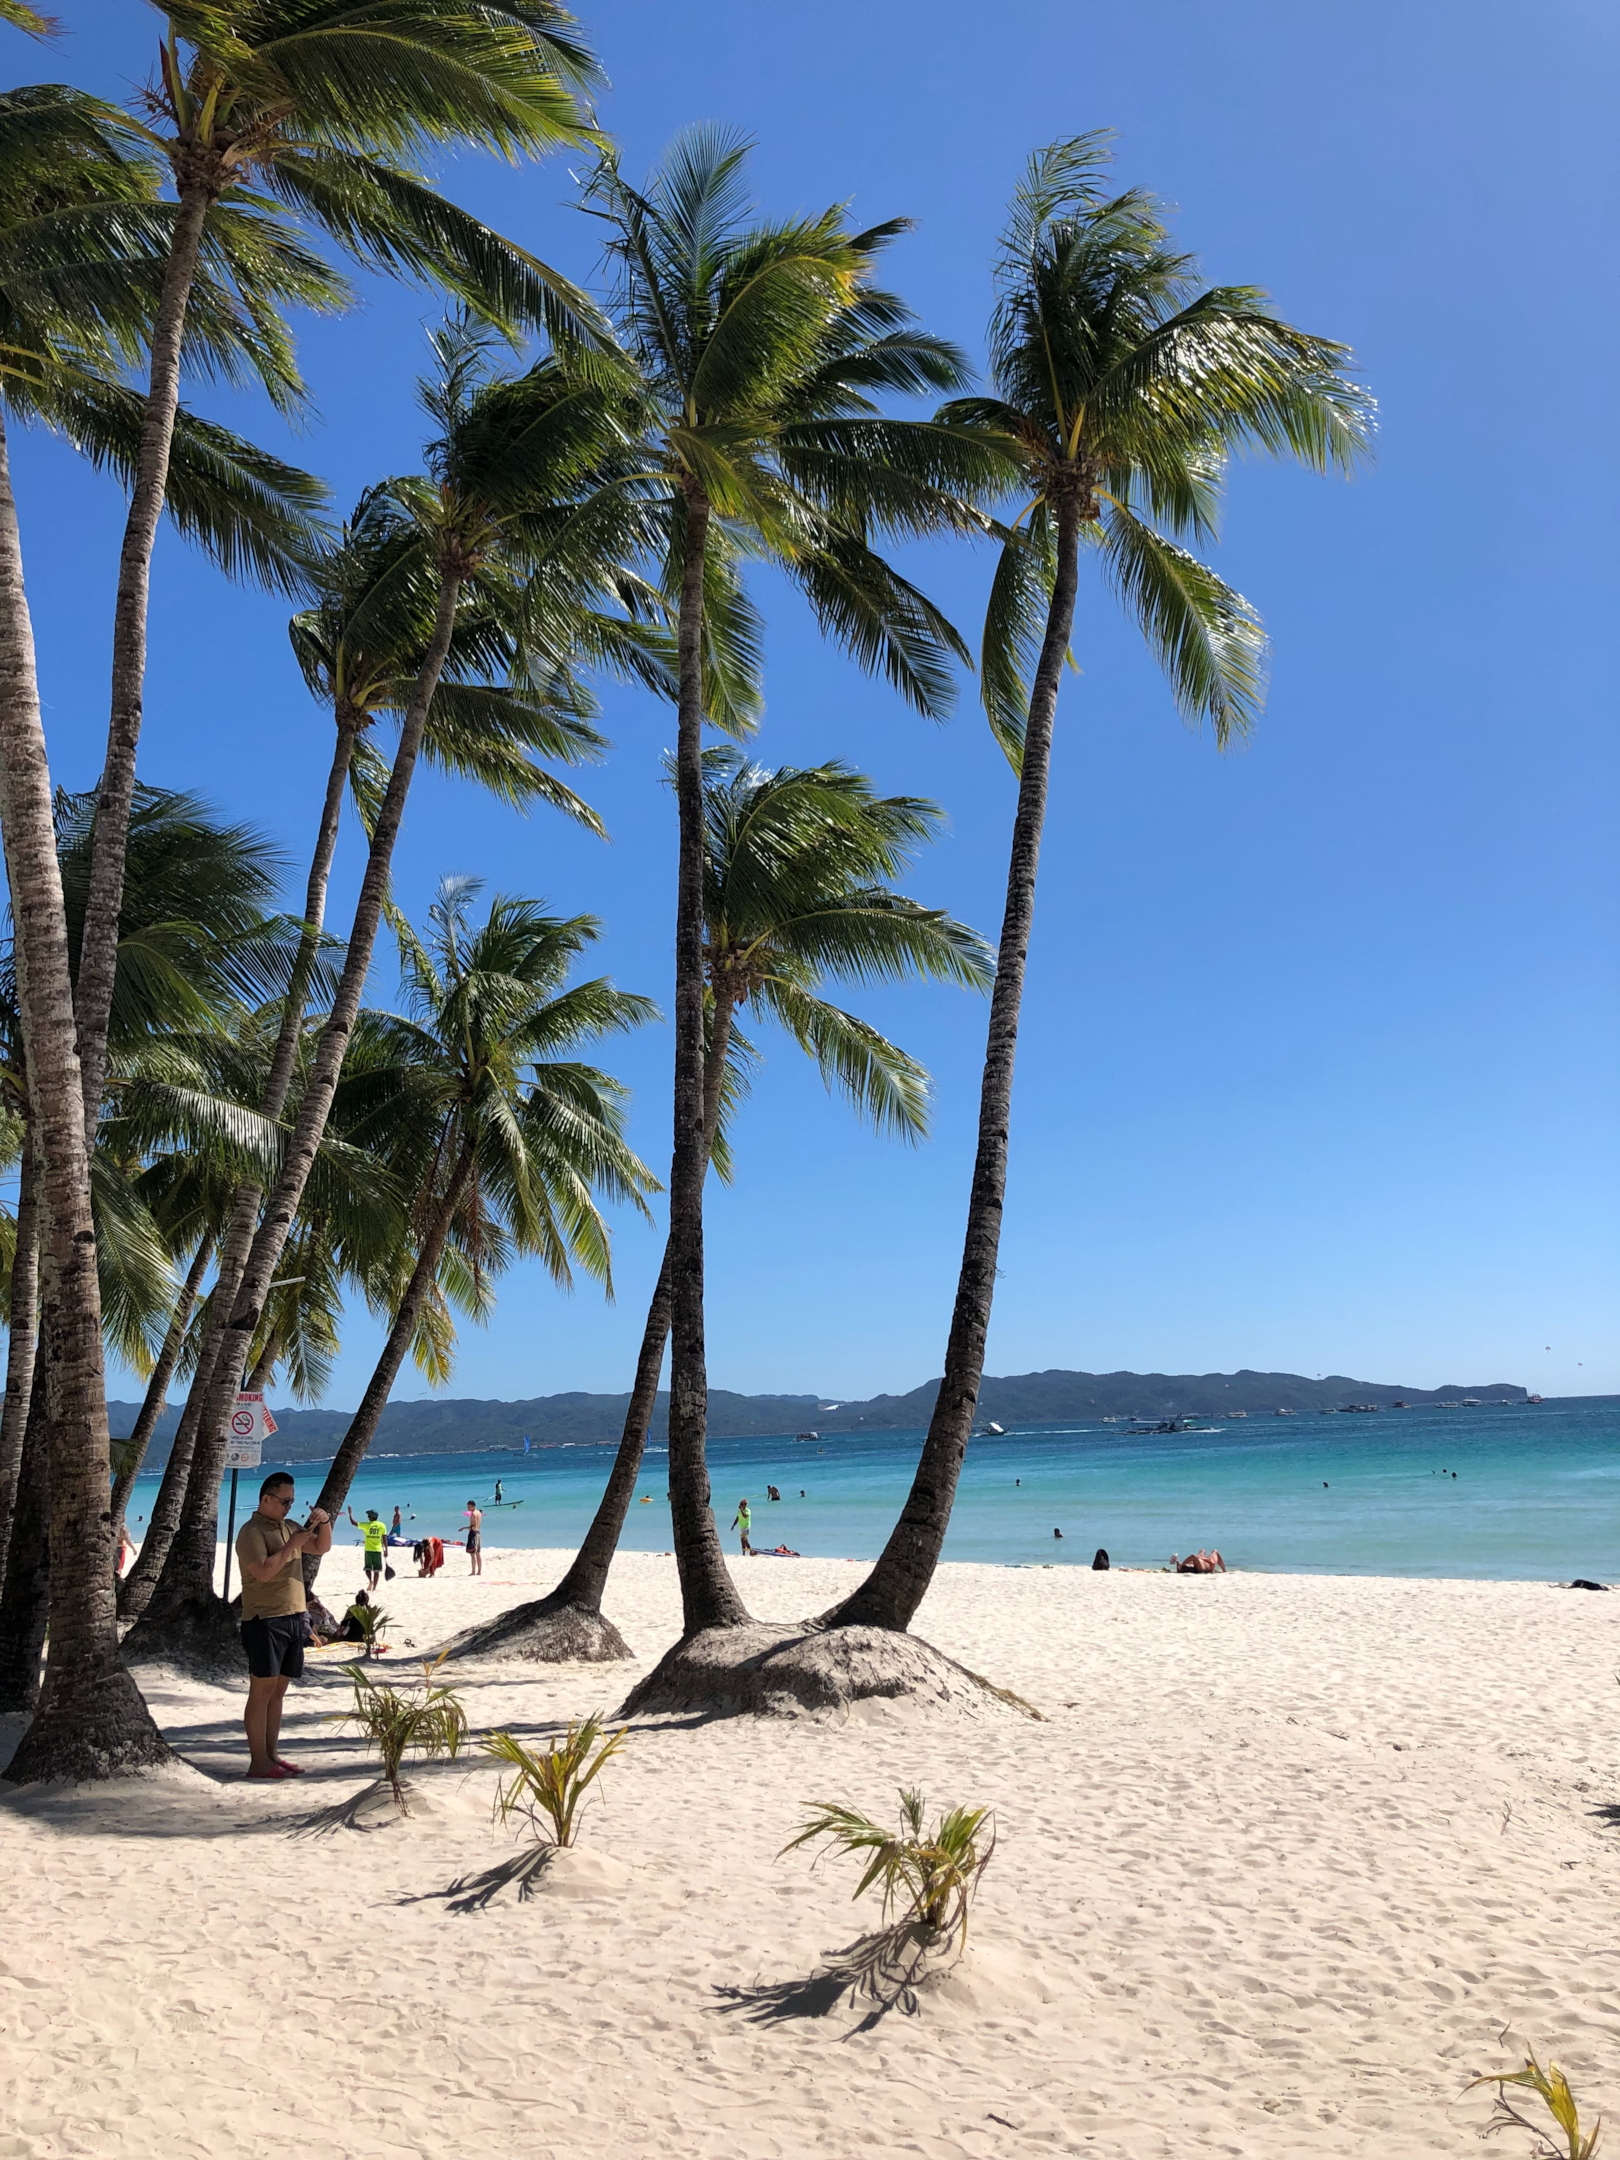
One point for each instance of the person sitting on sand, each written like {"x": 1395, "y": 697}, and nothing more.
{"x": 354, "y": 1626}
{"x": 743, "y": 1520}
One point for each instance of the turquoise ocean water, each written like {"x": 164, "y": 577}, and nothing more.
{"x": 1536, "y": 1493}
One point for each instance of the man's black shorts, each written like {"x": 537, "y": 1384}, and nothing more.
{"x": 275, "y": 1648}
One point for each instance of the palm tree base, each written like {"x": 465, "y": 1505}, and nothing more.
{"x": 543, "y": 1632}
{"x": 809, "y": 1671}
{"x": 106, "y": 1735}
{"x": 199, "y": 1636}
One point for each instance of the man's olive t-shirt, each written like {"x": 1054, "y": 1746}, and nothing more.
{"x": 258, "y": 1538}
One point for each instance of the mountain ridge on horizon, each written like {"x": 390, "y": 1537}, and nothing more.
{"x": 445, "y": 1426}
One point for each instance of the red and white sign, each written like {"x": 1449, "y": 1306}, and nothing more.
{"x": 251, "y": 1425}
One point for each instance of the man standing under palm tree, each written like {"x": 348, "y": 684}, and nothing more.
{"x": 274, "y": 1628}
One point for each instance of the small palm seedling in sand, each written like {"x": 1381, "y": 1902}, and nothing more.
{"x": 1567, "y": 2140}
{"x": 371, "y": 1620}
{"x": 928, "y": 1877}
{"x": 427, "y": 1720}
{"x": 546, "y": 1790}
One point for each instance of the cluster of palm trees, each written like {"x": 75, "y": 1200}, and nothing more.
{"x": 216, "y": 1140}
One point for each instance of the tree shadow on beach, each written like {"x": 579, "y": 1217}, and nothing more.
{"x": 1609, "y": 1813}
{"x": 882, "y": 1970}
{"x": 521, "y": 1871}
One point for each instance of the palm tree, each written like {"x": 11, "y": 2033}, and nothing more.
{"x": 797, "y": 895}
{"x": 359, "y": 648}
{"x": 507, "y": 1138}
{"x": 90, "y": 1720}
{"x": 73, "y": 307}
{"x": 759, "y": 353}
{"x": 321, "y": 106}
{"x": 1122, "y": 390}
{"x": 524, "y": 469}
{"x": 195, "y": 938}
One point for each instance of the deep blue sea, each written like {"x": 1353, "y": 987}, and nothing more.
{"x": 1518, "y": 1492}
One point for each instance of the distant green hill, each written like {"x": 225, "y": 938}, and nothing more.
{"x": 438, "y": 1427}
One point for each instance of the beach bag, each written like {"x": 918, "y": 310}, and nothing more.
{"x": 388, "y": 1574}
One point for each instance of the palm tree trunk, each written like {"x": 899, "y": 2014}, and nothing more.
{"x": 25, "y": 1600}
{"x": 98, "y": 944}
{"x": 135, "y": 1591}
{"x": 22, "y": 1321}
{"x": 157, "y": 1388}
{"x": 91, "y": 1721}
{"x": 582, "y": 1588}
{"x": 708, "y": 1596}
{"x": 264, "y": 1370}
{"x": 890, "y": 1595}
{"x": 363, "y": 1425}
{"x": 184, "y": 1600}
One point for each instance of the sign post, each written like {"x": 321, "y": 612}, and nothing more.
{"x": 251, "y": 1425}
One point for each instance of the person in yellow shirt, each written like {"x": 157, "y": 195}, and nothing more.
{"x": 375, "y": 1533}
{"x": 274, "y": 1623}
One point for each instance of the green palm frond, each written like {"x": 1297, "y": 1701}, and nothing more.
{"x": 1205, "y": 636}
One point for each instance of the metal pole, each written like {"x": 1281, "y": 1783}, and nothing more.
{"x": 230, "y": 1533}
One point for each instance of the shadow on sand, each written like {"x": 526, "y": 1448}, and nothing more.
{"x": 883, "y": 1971}
{"x": 521, "y": 1871}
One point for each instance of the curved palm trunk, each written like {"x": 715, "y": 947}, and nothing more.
{"x": 890, "y": 1595}
{"x": 22, "y": 1321}
{"x": 100, "y": 938}
{"x": 91, "y": 1721}
{"x": 135, "y": 1591}
{"x": 582, "y": 1588}
{"x": 184, "y": 1599}
{"x": 25, "y": 1600}
{"x": 98, "y": 944}
{"x": 708, "y": 1596}
{"x": 157, "y": 1388}
{"x": 363, "y": 1425}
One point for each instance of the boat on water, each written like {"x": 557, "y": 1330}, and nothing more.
{"x": 1165, "y": 1425}
{"x": 807, "y": 1436}
{"x": 1285, "y": 1413}
{"x": 989, "y": 1429}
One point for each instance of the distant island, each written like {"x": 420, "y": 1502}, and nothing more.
{"x": 436, "y": 1427}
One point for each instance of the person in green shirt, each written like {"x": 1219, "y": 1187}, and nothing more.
{"x": 375, "y": 1532}
{"x": 743, "y": 1520}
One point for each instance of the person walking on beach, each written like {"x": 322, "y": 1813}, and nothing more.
{"x": 475, "y": 1536}
{"x": 743, "y": 1521}
{"x": 274, "y": 1626}
{"x": 396, "y": 1530}
{"x": 375, "y": 1532}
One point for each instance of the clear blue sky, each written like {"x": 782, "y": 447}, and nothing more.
{"x": 1318, "y": 1067}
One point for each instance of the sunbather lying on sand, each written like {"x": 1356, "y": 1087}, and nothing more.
{"x": 1198, "y": 1563}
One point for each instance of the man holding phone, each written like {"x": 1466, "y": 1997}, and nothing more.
{"x": 274, "y": 1628}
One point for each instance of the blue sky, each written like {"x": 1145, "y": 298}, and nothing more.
{"x": 1318, "y": 1064}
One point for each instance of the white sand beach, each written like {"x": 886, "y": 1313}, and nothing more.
{"x": 1282, "y": 1862}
